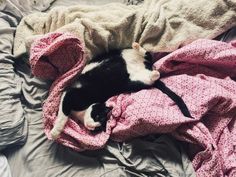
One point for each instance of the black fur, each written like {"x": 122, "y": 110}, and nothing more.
{"x": 148, "y": 60}
{"x": 176, "y": 98}
{"x": 108, "y": 79}
{"x": 99, "y": 84}
{"x": 99, "y": 114}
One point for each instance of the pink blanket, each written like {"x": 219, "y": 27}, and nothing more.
{"x": 201, "y": 73}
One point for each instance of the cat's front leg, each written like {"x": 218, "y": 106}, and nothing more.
{"x": 58, "y": 127}
{"x": 60, "y": 122}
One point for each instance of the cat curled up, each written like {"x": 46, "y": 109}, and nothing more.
{"x": 109, "y": 74}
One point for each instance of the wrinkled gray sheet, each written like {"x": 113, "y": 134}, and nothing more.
{"x": 22, "y": 95}
{"x": 12, "y": 123}
{"x": 4, "y": 167}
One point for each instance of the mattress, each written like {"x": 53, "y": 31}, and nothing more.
{"x": 26, "y": 151}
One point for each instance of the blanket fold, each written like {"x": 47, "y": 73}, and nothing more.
{"x": 201, "y": 72}
{"x": 158, "y": 25}
{"x": 193, "y": 72}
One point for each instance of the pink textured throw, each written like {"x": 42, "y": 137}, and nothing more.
{"x": 201, "y": 73}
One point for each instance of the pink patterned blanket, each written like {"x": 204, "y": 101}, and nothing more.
{"x": 200, "y": 72}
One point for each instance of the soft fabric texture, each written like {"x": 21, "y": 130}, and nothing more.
{"x": 116, "y": 159}
{"x": 13, "y": 127}
{"x": 162, "y": 157}
{"x": 200, "y": 73}
{"x": 158, "y": 25}
{"x": 56, "y": 53}
{"x": 4, "y": 167}
{"x": 25, "y": 7}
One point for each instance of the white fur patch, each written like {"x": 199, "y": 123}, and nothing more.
{"x": 136, "y": 67}
{"x": 89, "y": 123}
{"x": 85, "y": 118}
{"x": 76, "y": 84}
{"x": 60, "y": 121}
{"x": 90, "y": 66}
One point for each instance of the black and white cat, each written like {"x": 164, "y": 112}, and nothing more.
{"x": 119, "y": 71}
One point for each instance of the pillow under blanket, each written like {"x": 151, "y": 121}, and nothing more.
{"x": 201, "y": 73}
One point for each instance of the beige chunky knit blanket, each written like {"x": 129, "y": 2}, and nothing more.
{"x": 158, "y": 25}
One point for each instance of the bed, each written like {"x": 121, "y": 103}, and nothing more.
{"x": 25, "y": 149}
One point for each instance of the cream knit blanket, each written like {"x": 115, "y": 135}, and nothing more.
{"x": 158, "y": 25}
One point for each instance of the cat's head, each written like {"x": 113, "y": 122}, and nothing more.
{"x": 99, "y": 113}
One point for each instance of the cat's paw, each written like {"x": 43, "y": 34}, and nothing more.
{"x": 54, "y": 133}
{"x": 154, "y": 76}
{"x": 148, "y": 77}
{"x": 135, "y": 45}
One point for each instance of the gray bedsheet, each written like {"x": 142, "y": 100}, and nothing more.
{"x": 21, "y": 97}
{"x": 4, "y": 167}
{"x": 12, "y": 122}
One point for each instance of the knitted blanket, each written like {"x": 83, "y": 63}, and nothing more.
{"x": 201, "y": 73}
{"x": 157, "y": 25}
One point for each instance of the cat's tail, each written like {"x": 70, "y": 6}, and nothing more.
{"x": 176, "y": 98}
